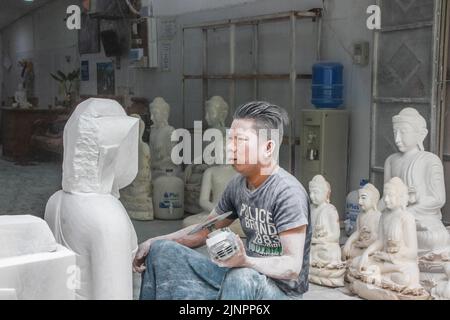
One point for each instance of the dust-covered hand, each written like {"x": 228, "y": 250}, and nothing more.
{"x": 139, "y": 259}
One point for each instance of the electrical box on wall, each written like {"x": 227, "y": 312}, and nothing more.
{"x": 361, "y": 53}
{"x": 144, "y": 44}
{"x": 324, "y": 146}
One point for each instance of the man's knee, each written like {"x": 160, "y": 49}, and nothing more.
{"x": 240, "y": 274}
{"x": 163, "y": 247}
{"x": 242, "y": 283}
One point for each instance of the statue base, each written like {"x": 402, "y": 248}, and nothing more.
{"x": 329, "y": 276}
{"x": 371, "y": 288}
{"x": 433, "y": 276}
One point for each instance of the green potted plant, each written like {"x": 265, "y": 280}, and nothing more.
{"x": 67, "y": 84}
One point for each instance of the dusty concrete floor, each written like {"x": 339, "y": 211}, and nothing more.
{"x": 26, "y": 189}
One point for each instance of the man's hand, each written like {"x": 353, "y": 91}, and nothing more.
{"x": 139, "y": 259}
{"x": 238, "y": 260}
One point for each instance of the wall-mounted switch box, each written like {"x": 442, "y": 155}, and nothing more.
{"x": 361, "y": 53}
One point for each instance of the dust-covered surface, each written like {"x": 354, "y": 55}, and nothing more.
{"x": 26, "y": 189}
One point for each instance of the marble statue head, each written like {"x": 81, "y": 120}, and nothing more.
{"x": 141, "y": 124}
{"x": 395, "y": 194}
{"x": 160, "y": 111}
{"x": 216, "y": 112}
{"x": 100, "y": 148}
{"x": 410, "y": 130}
{"x": 319, "y": 190}
{"x": 368, "y": 197}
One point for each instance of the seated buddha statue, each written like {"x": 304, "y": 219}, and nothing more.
{"x": 388, "y": 268}
{"x": 366, "y": 223}
{"x": 326, "y": 267}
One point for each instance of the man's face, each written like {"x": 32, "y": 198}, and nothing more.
{"x": 245, "y": 151}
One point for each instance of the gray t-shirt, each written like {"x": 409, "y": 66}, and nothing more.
{"x": 279, "y": 204}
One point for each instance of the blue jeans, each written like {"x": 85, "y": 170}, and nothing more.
{"x": 175, "y": 272}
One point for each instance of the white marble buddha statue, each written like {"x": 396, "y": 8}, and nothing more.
{"x": 388, "y": 268}
{"x": 215, "y": 180}
{"x": 100, "y": 157}
{"x": 326, "y": 267}
{"x": 137, "y": 197}
{"x": 216, "y": 112}
{"x": 366, "y": 223}
{"x": 423, "y": 174}
{"x": 20, "y": 96}
{"x": 160, "y": 139}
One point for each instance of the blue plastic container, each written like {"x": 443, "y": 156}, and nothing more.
{"x": 327, "y": 85}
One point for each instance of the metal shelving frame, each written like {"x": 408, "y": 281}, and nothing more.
{"x": 232, "y": 24}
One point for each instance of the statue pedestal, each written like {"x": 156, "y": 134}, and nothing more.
{"x": 374, "y": 292}
{"x": 371, "y": 289}
{"x": 432, "y": 270}
{"x": 332, "y": 277}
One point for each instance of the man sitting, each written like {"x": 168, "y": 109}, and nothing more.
{"x": 273, "y": 209}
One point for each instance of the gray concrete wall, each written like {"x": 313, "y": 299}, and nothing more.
{"x": 179, "y": 7}
{"x": 345, "y": 24}
{"x": 43, "y": 37}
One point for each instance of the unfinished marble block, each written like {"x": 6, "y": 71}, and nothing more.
{"x": 22, "y": 235}
{"x": 32, "y": 265}
{"x": 100, "y": 157}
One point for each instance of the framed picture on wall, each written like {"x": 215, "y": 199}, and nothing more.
{"x": 105, "y": 78}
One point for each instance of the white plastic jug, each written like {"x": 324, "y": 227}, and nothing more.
{"x": 168, "y": 197}
{"x": 352, "y": 209}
